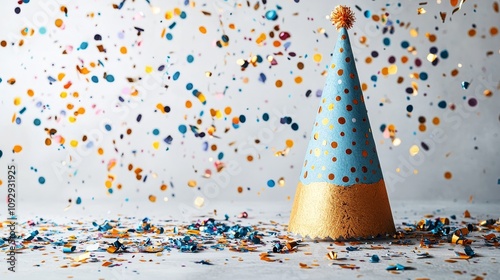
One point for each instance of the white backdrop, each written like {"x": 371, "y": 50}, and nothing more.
{"x": 142, "y": 46}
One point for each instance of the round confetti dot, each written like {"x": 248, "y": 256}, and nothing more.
{"x": 78, "y": 201}
{"x": 123, "y": 50}
{"x": 189, "y": 104}
{"x": 163, "y": 187}
{"x": 182, "y": 129}
{"x": 202, "y": 29}
{"x": 423, "y": 76}
{"x": 190, "y": 58}
{"x": 110, "y": 78}
{"x": 37, "y": 122}
{"x": 271, "y": 15}
{"x": 271, "y": 183}
{"x": 472, "y": 102}
{"x": 447, "y": 175}
{"x": 152, "y": 198}
{"x": 493, "y": 31}
{"x": 265, "y": 117}
{"x": 95, "y": 79}
{"x": 295, "y": 126}
{"x": 487, "y": 93}
{"x": 192, "y": 183}
{"x": 289, "y": 143}
{"x": 58, "y": 22}
{"x": 156, "y": 131}
{"x": 41, "y": 180}
{"x": 17, "y": 149}
{"x": 298, "y": 79}
{"x": 169, "y": 36}
{"x": 435, "y": 121}
{"x": 278, "y": 83}
{"x": 386, "y": 41}
{"x": 42, "y": 30}
{"x": 405, "y": 44}
{"x": 471, "y": 32}
{"x": 317, "y": 57}
{"x": 240, "y": 189}
{"x": 442, "y": 104}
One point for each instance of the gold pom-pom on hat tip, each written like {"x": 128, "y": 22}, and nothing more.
{"x": 342, "y": 16}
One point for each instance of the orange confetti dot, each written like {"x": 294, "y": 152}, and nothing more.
{"x": 100, "y": 151}
{"x": 202, "y": 29}
{"x": 31, "y": 93}
{"x": 276, "y": 43}
{"x": 123, "y": 50}
{"x": 250, "y": 158}
{"x": 240, "y": 189}
{"x": 17, "y": 149}
{"x": 232, "y": 26}
{"x": 163, "y": 187}
{"x": 108, "y": 184}
{"x": 422, "y": 127}
{"x": 48, "y": 142}
{"x": 289, "y": 143}
{"x": 298, "y": 79}
{"x": 435, "y": 120}
{"x": 454, "y": 2}
{"x": 493, "y": 31}
{"x": 447, "y": 175}
{"x": 152, "y": 198}
{"x": 404, "y": 59}
{"x": 472, "y": 32}
{"x": 454, "y": 72}
{"x": 3, "y": 43}
{"x": 279, "y": 83}
{"x": 368, "y": 60}
{"x": 189, "y": 104}
{"x": 227, "y": 110}
{"x": 59, "y": 22}
{"x": 364, "y": 86}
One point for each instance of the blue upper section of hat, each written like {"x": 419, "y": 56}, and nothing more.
{"x": 341, "y": 150}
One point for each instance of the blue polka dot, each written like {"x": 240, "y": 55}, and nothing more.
{"x": 189, "y": 86}
{"x": 387, "y": 41}
{"x": 156, "y": 131}
{"x": 41, "y": 180}
{"x": 183, "y": 15}
{"x": 110, "y": 190}
{"x": 220, "y": 156}
{"x": 243, "y": 119}
{"x": 182, "y": 128}
{"x": 423, "y": 76}
{"x": 190, "y": 58}
{"x": 176, "y": 75}
{"x": 271, "y": 15}
{"x": 95, "y": 79}
{"x": 169, "y": 36}
{"x": 110, "y": 78}
{"x": 78, "y": 200}
{"x": 42, "y": 30}
{"x": 265, "y": 117}
{"x": 271, "y": 183}
{"x": 373, "y": 78}
{"x": 367, "y": 14}
{"x": 409, "y": 108}
{"x": 37, "y": 122}
{"x": 444, "y": 54}
{"x": 405, "y": 44}
{"x": 442, "y": 104}
{"x": 295, "y": 126}
{"x": 84, "y": 45}
{"x": 107, "y": 127}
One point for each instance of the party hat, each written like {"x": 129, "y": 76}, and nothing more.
{"x": 341, "y": 193}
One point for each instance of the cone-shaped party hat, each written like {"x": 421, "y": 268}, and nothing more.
{"x": 341, "y": 193}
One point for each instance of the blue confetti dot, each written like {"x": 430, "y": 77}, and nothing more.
{"x": 41, "y": 180}
{"x": 405, "y": 44}
{"x": 265, "y": 117}
{"x": 373, "y": 78}
{"x": 169, "y": 36}
{"x": 442, "y": 104}
{"x": 110, "y": 78}
{"x": 271, "y": 15}
{"x": 409, "y": 108}
{"x": 433, "y": 50}
{"x": 423, "y": 76}
{"x": 295, "y": 126}
{"x": 243, "y": 119}
{"x": 110, "y": 191}
{"x": 189, "y": 86}
{"x": 367, "y": 14}
{"x": 95, "y": 79}
{"x": 387, "y": 41}
{"x": 84, "y": 45}
{"x": 220, "y": 156}
{"x": 190, "y": 58}
{"x": 182, "y": 129}
{"x": 1, "y": 153}
{"x": 156, "y": 131}
{"x": 18, "y": 120}
{"x": 107, "y": 127}
{"x": 271, "y": 183}
{"x": 42, "y": 30}
{"x": 444, "y": 54}
{"x": 183, "y": 15}
{"x": 78, "y": 200}
{"x": 176, "y": 75}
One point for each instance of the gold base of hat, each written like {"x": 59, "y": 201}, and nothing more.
{"x": 322, "y": 210}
